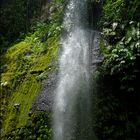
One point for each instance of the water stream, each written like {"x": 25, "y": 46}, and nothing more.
{"x": 72, "y": 106}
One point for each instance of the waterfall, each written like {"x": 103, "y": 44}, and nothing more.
{"x": 72, "y": 107}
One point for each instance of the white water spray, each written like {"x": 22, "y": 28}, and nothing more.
{"x": 72, "y": 101}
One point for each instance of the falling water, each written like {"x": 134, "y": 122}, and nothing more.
{"x": 72, "y": 101}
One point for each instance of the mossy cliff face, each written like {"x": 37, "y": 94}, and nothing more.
{"x": 26, "y": 66}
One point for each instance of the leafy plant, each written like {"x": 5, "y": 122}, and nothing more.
{"x": 37, "y": 128}
{"x": 117, "y": 84}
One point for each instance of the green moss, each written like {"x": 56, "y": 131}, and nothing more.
{"x": 24, "y": 95}
{"x": 43, "y": 61}
{"x": 22, "y": 58}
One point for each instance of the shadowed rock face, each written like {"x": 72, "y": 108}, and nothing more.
{"x": 44, "y": 101}
{"x": 95, "y": 54}
{"x": 94, "y": 13}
